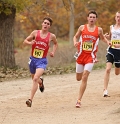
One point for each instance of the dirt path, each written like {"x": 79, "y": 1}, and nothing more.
{"x": 57, "y": 104}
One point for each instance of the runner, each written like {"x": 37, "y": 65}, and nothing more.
{"x": 88, "y": 36}
{"x": 39, "y": 40}
{"x": 113, "y": 52}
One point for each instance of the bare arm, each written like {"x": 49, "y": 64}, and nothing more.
{"x": 108, "y": 35}
{"x": 30, "y": 39}
{"x": 55, "y": 44}
{"x": 77, "y": 35}
{"x": 102, "y": 37}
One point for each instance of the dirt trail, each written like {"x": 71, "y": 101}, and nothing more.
{"x": 57, "y": 104}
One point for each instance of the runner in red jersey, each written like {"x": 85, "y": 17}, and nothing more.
{"x": 41, "y": 46}
{"x": 86, "y": 40}
{"x": 88, "y": 45}
{"x": 39, "y": 40}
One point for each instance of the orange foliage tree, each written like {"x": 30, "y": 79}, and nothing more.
{"x": 59, "y": 10}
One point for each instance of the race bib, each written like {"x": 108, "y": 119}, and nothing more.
{"x": 115, "y": 42}
{"x": 38, "y": 53}
{"x": 87, "y": 46}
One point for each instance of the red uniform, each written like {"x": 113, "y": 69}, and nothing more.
{"x": 88, "y": 46}
{"x": 41, "y": 46}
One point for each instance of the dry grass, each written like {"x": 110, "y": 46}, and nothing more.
{"x": 63, "y": 62}
{"x": 64, "y": 56}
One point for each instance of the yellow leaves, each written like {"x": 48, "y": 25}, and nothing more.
{"x": 66, "y": 4}
{"x": 7, "y": 11}
{"x": 7, "y": 5}
{"x": 5, "y": 8}
{"x": 21, "y": 18}
{"x": 32, "y": 17}
{"x": 97, "y": 1}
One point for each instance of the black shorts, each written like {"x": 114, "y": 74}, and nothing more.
{"x": 113, "y": 56}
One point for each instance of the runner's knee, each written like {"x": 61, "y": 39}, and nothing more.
{"x": 117, "y": 70}
{"x": 108, "y": 70}
{"x": 78, "y": 78}
{"x": 117, "y": 73}
{"x": 85, "y": 77}
{"x": 35, "y": 79}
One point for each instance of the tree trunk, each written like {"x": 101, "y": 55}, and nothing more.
{"x": 7, "y": 58}
{"x": 71, "y": 33}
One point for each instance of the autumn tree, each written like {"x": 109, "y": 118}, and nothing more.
{"x": 8, "y": 9}
{"x": 31, "y": 17}
{"x": 67, "y": 16}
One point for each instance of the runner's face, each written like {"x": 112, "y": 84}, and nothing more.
{"x": 91, "y": 18}
{"x": 45, "y": 25}
{"x": 117, "y": 18}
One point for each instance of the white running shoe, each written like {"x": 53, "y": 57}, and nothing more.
{"x": 105, "y": 93}
{"x": 78, "y": 104}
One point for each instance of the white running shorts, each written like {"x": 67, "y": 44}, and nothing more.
{"x": 80, "y": 68}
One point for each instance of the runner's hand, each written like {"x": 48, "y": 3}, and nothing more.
{"x": 51, "y": 54}
{"x": 110, "y": 44}
{"x": 107, "y": 35}
{"x": 32, "y": 42}
{"x": 76, "y": 44}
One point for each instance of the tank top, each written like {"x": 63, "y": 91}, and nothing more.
{"x": 88, "y": 43}
{"x": 88, "y": 40}
{"x": 41, "y": 46}
{"x": 115, "y": 36}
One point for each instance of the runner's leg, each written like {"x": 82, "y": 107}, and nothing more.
{"x": 107, "y": 74}
{"x": 36, "y": 79}
{"x": 117, "y": 71}
{"x": 83, "y": 84}
{"x": 87, "y": 69}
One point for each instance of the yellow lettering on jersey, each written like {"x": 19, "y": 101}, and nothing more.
{"x": 115, "y": 42}
{"x": 38, "y": 53}
{"x": 87, "y": 46}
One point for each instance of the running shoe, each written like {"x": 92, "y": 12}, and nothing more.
{"x": 29, "y": 103}
{"x": 105, "y": 93}
{"x": 41, "y": 86}
{"x": 78, "y": 104}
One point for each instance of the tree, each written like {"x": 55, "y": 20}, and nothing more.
{"x": 8, "y": 10}
{"x": 61, "y": 11}
{"x": 71, "y": 32}
{"x": 7, "y": 58}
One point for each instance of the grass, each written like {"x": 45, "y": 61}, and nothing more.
{"x": 99, "y": 66}
{"x": 63, "y": 59}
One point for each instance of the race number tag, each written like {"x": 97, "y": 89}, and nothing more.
{"x": 38, "y": 53}
{"x": 115, "y": 42}
{"x": 87, "y": 46}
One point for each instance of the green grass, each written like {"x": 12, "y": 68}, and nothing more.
{"x": 99, "y": 66}
{"x": 62, "y": 42}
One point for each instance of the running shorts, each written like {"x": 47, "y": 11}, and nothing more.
{"x": 84, "y": 58}
{"x": 35, "y": 63}
{"x": 113, "y": 56}
{"x": 80, "y": 68}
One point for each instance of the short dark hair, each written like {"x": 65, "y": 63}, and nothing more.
{"x": 49, "y": 19}
{"x": 117, "y": 12}
{"x": 93, "y": 12}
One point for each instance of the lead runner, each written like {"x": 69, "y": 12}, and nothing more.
{"x": 86, "y": 40}
{"x": 39, "y": 40}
